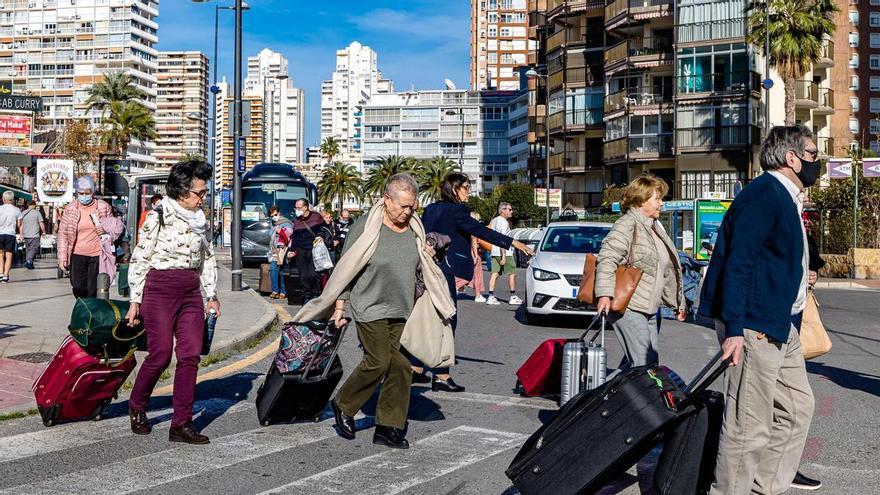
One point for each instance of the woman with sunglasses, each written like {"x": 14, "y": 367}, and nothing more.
{"x": 172, "y": 263}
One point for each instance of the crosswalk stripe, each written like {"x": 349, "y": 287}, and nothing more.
{"x": 152, "y": 470}
{"x": 394, "y": 471}
{"x": 497, "y": 400}
{"x": 74, "y": 435}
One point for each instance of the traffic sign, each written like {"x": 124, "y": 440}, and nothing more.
{"x": 214, "y": 89}
{"x": 767, "y": 83}
{"x": 242, "y": 155}
{"x": 245, "y": 118}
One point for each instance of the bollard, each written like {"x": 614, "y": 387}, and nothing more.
{"x": 103, "y": 286}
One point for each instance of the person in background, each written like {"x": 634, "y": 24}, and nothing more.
{"x": 755, "y": 290}
{"x": 281, "y": 231}
{"x": 655, "y": 254}
{"x": 343, "y": 224}
{"x": 31, "y": 226}
{"x": 503, "y": 262}
{"x": 328, "y": 233}
{"x": 8, "y": 221}
{"x": 305, "y": 234}
{"x": 154, "y": 201}
{"x": 113, "y": 228}
{"x": 79, "y": 238}
{"x": 476, "y": 282}
{"x": 451, "y": 216}
{"x": 171, "y": 265}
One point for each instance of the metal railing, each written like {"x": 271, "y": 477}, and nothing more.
{"x": 660, "y": 144}
{"x": 826, "y": 98}
{"x": 726, "y": 82}
{"x": 711, "y": 30}
{"x": 618, "y": 7}
{"x": 807, "y": 91}
{"x": 623, "y": 98}
{"x": 638, "y": 47}
{"x": 707, "y": 137}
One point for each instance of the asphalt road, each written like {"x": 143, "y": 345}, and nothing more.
{"x": 462, "y": 443}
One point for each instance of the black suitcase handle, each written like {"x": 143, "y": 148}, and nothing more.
{"x": 701, "y": 382}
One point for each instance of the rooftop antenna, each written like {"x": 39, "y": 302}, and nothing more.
{"x": 449, "y": 84}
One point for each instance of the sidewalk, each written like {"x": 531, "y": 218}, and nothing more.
{"x": 847, "y": 283}
{"x": 35, "y": 310}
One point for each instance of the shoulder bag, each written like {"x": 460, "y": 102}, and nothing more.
{"x": 814, "y": 338}
{"x": 627, "y": 278}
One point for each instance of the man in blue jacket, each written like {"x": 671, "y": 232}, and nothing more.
{"x": 756, "y": 283}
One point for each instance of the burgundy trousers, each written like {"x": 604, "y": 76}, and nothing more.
{"x": 172, "y": 309}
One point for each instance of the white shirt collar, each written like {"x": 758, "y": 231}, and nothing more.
{"x": 796, "y": 194}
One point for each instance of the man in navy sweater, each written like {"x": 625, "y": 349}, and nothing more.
{"x": 756, "y": 283}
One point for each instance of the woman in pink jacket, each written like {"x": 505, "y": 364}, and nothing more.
{"x": 79, "y": 238}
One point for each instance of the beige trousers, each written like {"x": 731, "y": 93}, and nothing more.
{"x": 767, "y": 413}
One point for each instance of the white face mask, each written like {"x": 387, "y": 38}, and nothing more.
{"x": 275, "y": 218}
{"x": 299, "y": 213}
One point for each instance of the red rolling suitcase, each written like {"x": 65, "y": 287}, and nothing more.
{"x": 76, "y": 385}
{"x": 541, "y": 373}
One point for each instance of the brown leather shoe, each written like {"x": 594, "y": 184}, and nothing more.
{"x": 187, "y": 434}
{"x": 140, "y": 425}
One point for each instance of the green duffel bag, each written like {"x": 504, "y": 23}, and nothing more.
{"x": 122, "y": 281}
{"x": 99, "y": 327}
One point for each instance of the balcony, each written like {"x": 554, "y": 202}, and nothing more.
{"x": 720, "y": 84}
{"x": 826, "y": 57}
{"x": 641, "y": 52}
{"x": 622, "y": 100}
{"x": 825, "y": 145}
{"x": 716, "y": 137}
{"x": 568, "y": 160}
{"x": 575, "y": 120}
{"x": 826, "y": 102}
{"x": 639, "y": 147}
{"x": 617, "y": 11}
{"x": 806, "y": 94}
{"x": 711, "y": 30}
{"x": 573, "y": 75}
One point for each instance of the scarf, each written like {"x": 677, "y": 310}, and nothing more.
{"x": 194, "y": 218}
{"x": 427, "y": 334}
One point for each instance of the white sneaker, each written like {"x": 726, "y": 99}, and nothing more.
{"x": 515, "y": 300}
{"x": 492, "y": 301}
{"x": 479, "y": 299}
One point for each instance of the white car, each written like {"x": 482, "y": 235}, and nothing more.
{"x": 554, "y": 275}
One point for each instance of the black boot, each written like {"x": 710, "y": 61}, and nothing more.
{"x": 390, "y": 437}
{"x": 344, "y": 424}
{"x": 447, "y": 385}
{"x": 187, "y": 434}
{"x": 420, "y": 377}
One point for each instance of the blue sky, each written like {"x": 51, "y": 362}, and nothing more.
{"x": 419, "y": 42}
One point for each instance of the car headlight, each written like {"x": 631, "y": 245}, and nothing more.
{"x": 544, "y": 275}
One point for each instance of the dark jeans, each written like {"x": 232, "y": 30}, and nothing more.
{"x": 450, "y": 283}
{"x": 84, "y": 275}
{"x": 172, "y": 310}
{"x": 309, "y": 278}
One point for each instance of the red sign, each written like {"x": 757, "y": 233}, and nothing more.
{"x": 15, "y": 125}
{"x": 15, "y": 132}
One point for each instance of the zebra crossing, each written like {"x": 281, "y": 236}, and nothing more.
{"x": 442, "y": 451}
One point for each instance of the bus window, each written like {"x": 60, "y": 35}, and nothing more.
{"x": 258, "y": 198}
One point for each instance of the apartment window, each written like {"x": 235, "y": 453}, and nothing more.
{"x": 853, "y": 40}
{"x": 854, "y": 17}
{"x": 875, "y": 105}
{"x": 695, "y": 184}
{"x": 854, "y": 103}
{"x": 875, "y": 146}
{"x": 854, "y": 82}
{"x": 874, "y": 62}
{"x": 493, "y": 31}
{"x": 874, "y": 126}
{"x": 875, "y": 83}
{"x": 854, "y": 126}
{"x": 875, "y": 40}
{"x": 874, "y": 19}
{"x": 854, "y": 61}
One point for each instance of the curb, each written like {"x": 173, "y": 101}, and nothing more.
{"x": 842, "y": 285}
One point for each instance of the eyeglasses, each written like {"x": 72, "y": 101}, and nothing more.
{"x": 201, "y": 194}
{"x": 812, "y": 153}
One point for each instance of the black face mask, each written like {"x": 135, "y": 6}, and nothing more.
{"x": 809, "y": 173}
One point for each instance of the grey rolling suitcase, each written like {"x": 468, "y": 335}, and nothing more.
{"x": 583, "y": 363}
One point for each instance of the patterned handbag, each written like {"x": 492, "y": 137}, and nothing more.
{"x": 309, "y": 344}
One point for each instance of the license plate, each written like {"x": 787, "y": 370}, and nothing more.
{"x": 574, "y": 293}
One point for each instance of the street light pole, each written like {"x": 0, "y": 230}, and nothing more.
{"x": 236, "y": 178}
{"x": 213, "y": 160}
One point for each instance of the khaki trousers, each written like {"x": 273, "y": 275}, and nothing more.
{"x": 382, "y": 360}
{"x": 767, "y": 413}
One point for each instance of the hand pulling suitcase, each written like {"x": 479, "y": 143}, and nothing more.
{"x": 583, "y": 363}
{"x": 76, "y": 385}
{"x": 285, "y": 397}
{"x": 539, "y": 375}
{"x": 600, "y": 433}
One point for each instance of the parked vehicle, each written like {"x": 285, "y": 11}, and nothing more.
{"x": 554, "y": 276}
{"x": 530, "y": 237}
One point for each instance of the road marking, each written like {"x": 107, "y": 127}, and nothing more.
{"x": 496, "y": 400}
{"x": 184, "y": 461}
{"x": 394, "y": 471}
{"x": 73, "y": 435}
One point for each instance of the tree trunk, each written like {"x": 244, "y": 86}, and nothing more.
{"x": 790, "y": 94}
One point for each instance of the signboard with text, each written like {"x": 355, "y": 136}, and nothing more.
{"x": 871, "y": 167}
{"x": 555, "y": 198}
{"x": 55, "y": 180}
{"x": 21, "y": 103}
{"x": 5, "y": 88}
{"x": 15, "y": 133}
{"x": 840, "y": 168}
{"x": 708, "y": 214}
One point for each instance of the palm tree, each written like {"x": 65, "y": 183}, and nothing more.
{"x": 379, "y": 175}
{"x": 431, "y": 174}
{"x": 330, "y": 148}
{"x": 116, "y": 86}
{"x": 797, "y": 30}
{"x": 339, "y": 181}
{"x": 127, "y": 120}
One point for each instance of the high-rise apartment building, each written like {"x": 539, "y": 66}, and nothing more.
{"x": 269, "y": 78}
{"x": 181, "y": 90}
{"x": 857, "y": 74}
{"x": 58, "y": 49}
{"x": 253, "y": 142}
{"x": 355, "y": 81}
{"x": 499, "y": 43}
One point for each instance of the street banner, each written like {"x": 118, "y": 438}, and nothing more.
{"x": 555, "y": 198}
{"x": 708, "y": 214}
{"x": 15, "y": 133}
{"x": 21, "y": 103}
{"x": 840, "y": 168}
{"x": 55, "y": 180}
{"x": 871, "y": 167}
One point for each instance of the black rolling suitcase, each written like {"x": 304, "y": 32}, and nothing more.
{"x": 285, "y": 397}
{"x": 601, "y": 433}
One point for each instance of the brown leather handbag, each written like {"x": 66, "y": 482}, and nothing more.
{"x": 627, "y": 278}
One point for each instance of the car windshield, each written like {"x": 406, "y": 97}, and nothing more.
{"x": 574, "y": 239}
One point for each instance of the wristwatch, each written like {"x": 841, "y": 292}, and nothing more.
{"x": 213, "y": 299}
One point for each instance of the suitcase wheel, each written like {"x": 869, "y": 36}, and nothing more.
{"x": 99, "y": 410}
{"x": 317, "y": 419}
{"x": 48, "y": 422}
{"x": 265, "y": 422}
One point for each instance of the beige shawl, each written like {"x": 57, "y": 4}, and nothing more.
{"x": 427, "y": 334}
